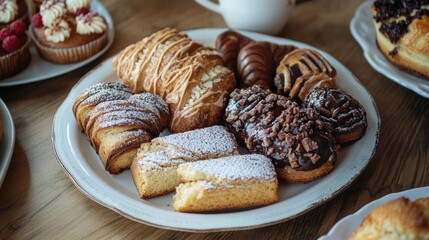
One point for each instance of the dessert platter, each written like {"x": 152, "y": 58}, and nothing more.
{"x": 363, "y": 30}
{"x": 7, "y": 139}
{"x": 40, "y": 69}
{"x": 344, "y": 228}
{"x": 105, "y": 119}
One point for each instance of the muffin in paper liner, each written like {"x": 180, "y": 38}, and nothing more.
{"x": 73, "y": 54}
{"x": 14, "y": 62}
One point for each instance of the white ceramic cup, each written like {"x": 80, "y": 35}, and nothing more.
{"x": 265, "y": 16}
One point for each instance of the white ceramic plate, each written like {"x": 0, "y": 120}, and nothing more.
{"x": 118, "y": 193}
{"x": 346, "y": 226}
{"x": 7, "y": 140}
{"x": 363, "y": 31}
{"x": 40, "y": 69}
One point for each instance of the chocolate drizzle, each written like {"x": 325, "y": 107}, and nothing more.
{"x": 389, "y": 12}
{"x": 270, "y": 124}
{"x": 339, "y": 111}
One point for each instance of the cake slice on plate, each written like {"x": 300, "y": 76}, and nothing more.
{"x": 154, "y": 167}
{"x": 239, "y": 181}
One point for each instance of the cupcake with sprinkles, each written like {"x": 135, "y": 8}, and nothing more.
{"x": 11, "y": 11}
{"x": 67, "y": 31}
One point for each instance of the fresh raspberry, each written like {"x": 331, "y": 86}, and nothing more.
{"x": 18, "y": 27}
{"x": 11, "y": 44}
{"x": 82, "y": 11}
{"x": 4, "y": 33}
{"x": 36, "y": 20}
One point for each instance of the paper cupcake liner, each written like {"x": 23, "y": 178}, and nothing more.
{"x": 71, "y": 55}
{"x": 16, "y": 61}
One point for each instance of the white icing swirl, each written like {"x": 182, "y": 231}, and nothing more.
{"x": 8, "y": 10}
{"x": 74, "y": 5}
{"x": 58, "y": 31}
{"x": 50, "y": 10}
{"x": 90, "y": 23}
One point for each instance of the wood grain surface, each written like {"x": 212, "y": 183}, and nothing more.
{"x": 39, "y": 201}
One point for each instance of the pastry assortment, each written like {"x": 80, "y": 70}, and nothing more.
{"x": 191, "y": 78}
{"x": 14, "y": 49}
{"x": 63, "y": 32}
{"x": 402, "y": 29}
{"x": 399, "y": 218}
{"x": 168, "y": 80}
{"x": 67, "y": 32}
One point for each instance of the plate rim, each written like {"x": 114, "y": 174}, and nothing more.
{"x": 211, "y": 229}
{"x": 73, "y": 66}
{"x": 417, "y": 192}
{"x": 9, "y": 132}
{"x": 412, "y": 82}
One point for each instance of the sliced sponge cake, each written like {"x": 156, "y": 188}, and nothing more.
{"x": 154, "y": 167}
{"x": 238, "y": 181}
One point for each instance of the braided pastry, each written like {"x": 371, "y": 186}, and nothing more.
{"x": 343, "y": 114}
{"x": 302, "y": 70}
{"x": 257, "y": 63}
{"x": 191, "y": 78}
{"x": 299, "y": 145}
{"x": 117, "y": 122}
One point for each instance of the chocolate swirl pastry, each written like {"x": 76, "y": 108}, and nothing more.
{"x": 343, "y": 114}
{"x": 299, "y": 145}
{"x": 302, "y": 70}
{"x": 402, "y": 28}
{"x": 229, "y": 44}
{"x": 257, "y": 63}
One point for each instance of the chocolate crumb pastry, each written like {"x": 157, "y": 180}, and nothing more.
{"x": 229, "y": 44}
{"x": 402, "y": 28}
{"x": 343, "y": 114}
{"x": 302, "y": 70}
{"x": 257, "y": 63}
{"x": 299, "y": 145}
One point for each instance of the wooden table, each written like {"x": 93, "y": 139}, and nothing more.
{"x": 38, "y": 200}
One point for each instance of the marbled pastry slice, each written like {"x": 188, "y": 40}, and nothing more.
{"x": 239, "y": 181}
{"x": 154, "y": 167}
{"x": 402, "y": 29}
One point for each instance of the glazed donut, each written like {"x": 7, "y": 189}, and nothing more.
{"x": 302, "y": 70}
{"x": 257, "y": 63}
{"x": 344, "y": 115}
{"x": 299, "y": 145}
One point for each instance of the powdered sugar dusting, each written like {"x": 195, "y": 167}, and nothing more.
{"x": 209, "y": 140}
{"x": 237, "y": 167}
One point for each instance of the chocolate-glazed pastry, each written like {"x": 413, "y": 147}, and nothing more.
{"x": 299, "y": 145}
{"x": 402, "y": 29}
{"x": 229, "y": 44}
{"x": 257, "y": 63}
{"x": 343, "y": 114}
{"x": 302, "y": 70}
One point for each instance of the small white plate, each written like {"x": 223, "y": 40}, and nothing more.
{"x": 117, "y": 192}
{"x": 39, "y": 69}
{"x": 344, "y": 228}
{"x": 7, "y": 140}
{"x": 363, "y": 31}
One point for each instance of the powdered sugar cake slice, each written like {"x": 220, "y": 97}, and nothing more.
{"x": 154, "y": 167}
{"x": 226, "y": 183}
{"x": 212, "y": 140}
